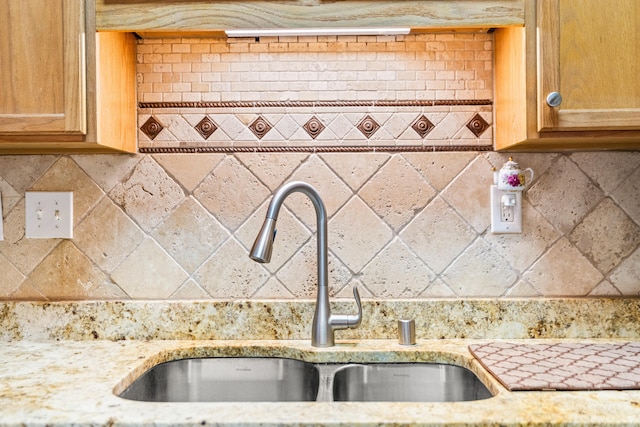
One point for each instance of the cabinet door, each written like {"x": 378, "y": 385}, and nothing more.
{"x": 589, "y": 52}
{"x": 42, "y": 82}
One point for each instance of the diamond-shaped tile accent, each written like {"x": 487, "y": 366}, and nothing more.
{"x": 423, "y": 126}
{"x": 151, "y": 127}
{"x": 314, "y": 127}
{"x": 477, "y": 125}
{"x": 206, "y": 127}
{"x": 368, "y": 126}
{"x": 260, "y": 127}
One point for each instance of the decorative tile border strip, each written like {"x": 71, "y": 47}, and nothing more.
{"x": 326, "y": 126}
{"x": 315, "y": 149}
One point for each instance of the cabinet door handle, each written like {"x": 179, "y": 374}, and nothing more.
{"x": 554, "y": 99}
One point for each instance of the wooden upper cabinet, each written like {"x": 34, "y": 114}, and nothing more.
{"x": 63, "y": 86}
{"x": 589, "y": 53}
{"x": 585, "y": 51}
{"x": 41, "y": 67}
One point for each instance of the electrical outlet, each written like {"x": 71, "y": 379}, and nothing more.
{"x": 506, "y": 211}
{"x": 49, "y": 215}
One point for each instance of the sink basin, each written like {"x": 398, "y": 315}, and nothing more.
{"x": 239, "y": 379}
{"x": 407, "y": 382}
{"x": 248, "y": 379}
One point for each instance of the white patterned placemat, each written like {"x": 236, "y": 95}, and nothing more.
{"x": 565, "y": 366}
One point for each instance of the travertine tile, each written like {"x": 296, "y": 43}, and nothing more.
{"x": 65, "y": 175}
{"x": 107, "y": 235}
{"x": 355, "y": 170}
{"x": 272, "y": 169}
{"x": 190, "y": 290}
{"x": 626, "y": 277}
{"x": 273, "y": 289}
{"x": 231, "y": 193}
{"x": 107, "y": 170}
{"x": 149, "y": 273}
{"x": 627, "y": 195}
{"x": 67, "y": 274}
{"x": 606, "y": 235}
{"x": 523, "y": 249}
{"x": 605, "y": 289}
{"x": 608, "y": 169}
{"x": 357, "y": 234}
{"x": 469, "y": 193}
{"x": 227, "y": 280}
{"x": 396, "y": 192}
{"x": 438, "y": 234}
{"x": 564, "y": 185}
{"x": 562, "y": 271}
{"x": 396, "y": 272}
{"x": 300, "y": 273}
{"x": 190, "y": 234}
{"x": 11, "y": 278}
{"x": 479, "y": 272}
{"x": 189, "y": 169}
{"x": 22, "y": 171}
{"x": 10, "y": 197}
{"x": 148, "y": 195}
{"x": 439, "y": 168}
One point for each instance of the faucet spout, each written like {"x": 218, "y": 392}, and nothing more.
{"x": 324, "y": 323}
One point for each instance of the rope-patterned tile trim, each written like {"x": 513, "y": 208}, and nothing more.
{"x": 314, "y": 149}
{"x": 308, "y": 104}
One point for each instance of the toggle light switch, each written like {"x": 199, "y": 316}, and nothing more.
{"x": 49, "y": 215}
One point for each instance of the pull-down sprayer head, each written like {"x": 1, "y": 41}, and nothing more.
{"x": 263, "y": 246}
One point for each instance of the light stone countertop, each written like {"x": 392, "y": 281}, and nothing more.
{"x": 73, "y": 382}
{"x": 60, "y": 363}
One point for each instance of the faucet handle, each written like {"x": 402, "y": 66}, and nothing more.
{"x": 344, "y": 321}
{"x": 354, "y": 320}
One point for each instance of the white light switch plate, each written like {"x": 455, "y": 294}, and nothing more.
{"x": 49, "y": 215}
{"x": 501, "y": 222}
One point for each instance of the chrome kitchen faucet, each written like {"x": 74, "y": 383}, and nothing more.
{"x": 324, "y": 323}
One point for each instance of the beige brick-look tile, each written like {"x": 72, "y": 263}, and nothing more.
{"x": 396, "y": 192}
{"x": 190, "y": 234}
{"x": 148, "y": 195}
{"x": 438, "y": 234}
{"x": 149, "y": 273}
{"x": 563, "y": 270}
{"x": 479, "y": 272}
{"x": 107, "y": 236}
{"x": 606, "y": 235}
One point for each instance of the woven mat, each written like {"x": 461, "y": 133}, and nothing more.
{"x": 566, "y": 366}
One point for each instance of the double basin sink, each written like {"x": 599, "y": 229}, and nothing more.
{"x": 248, "y": 379}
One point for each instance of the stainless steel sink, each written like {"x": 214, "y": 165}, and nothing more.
{"x": 246, "y": 379}
{"x": 407, "y": 382}
{"x": 227, "y": 380}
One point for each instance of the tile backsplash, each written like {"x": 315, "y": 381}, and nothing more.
{"x": 402, "y": 224}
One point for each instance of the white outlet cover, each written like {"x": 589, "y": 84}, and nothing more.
{"x": 49, "y": 215}
{"x": 499, "y": 226}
